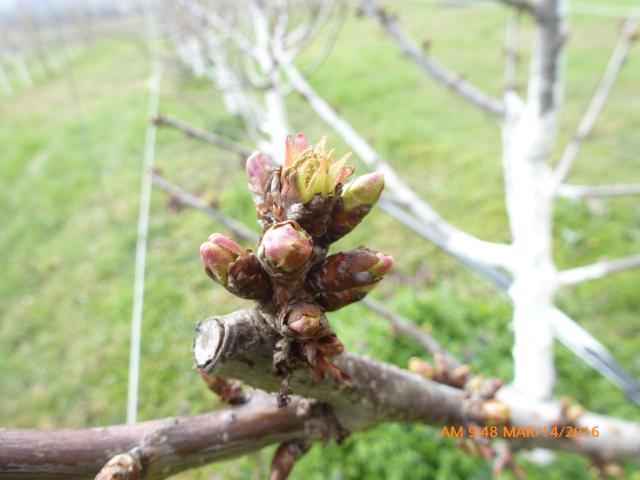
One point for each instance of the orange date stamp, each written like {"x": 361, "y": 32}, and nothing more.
{"x": 570, "y": 432}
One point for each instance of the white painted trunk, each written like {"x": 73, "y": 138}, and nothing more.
{"x": 526, "y": 147}
{"x": 275, "y": 123}
{"x": 529, "y": 136}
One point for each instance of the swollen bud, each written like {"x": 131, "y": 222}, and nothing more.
{"x": 357, "y": 200}
{"x": 285, "y": 249}
{"x": 217, "y": 254}
{"x": 332, "y": 301}
{"x": 345, "y": 270}
{"x": 294, "y": 147}
{"x": 303, "y": 320}
{"x": 247, "y": 278}
{"x": 364, "y": 190}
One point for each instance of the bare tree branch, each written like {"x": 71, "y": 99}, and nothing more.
{"x": 159, "y": 448}
{"x": 185, "y": 198}
{"x": 408, "y": 328}
{"x": 567, "y": 190}
{"x": 378, "y": 392}
{"x": 226, "y": 28}
{"x": 597, "y": 270}
{"x": 431, "y": 67}
{"x": 297, "y": 39}
{"x": 598, "y": 101}
{"x": 209, "y": 137}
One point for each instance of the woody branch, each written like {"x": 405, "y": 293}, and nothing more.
{"x": 157, "y": 448}
{"x": 379, "y": 392}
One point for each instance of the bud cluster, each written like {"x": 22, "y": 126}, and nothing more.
{"x": 303, "y": 207}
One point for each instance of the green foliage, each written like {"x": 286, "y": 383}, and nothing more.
{"x": 67, "y": 239}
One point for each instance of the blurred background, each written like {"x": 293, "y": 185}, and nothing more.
{"x": 74, "y": 113}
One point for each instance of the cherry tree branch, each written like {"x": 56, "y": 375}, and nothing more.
{"x": 209, "y": 16}
{"x": 409, "y": 329}
{"x": 454, "y": 82}
{"x": 580, "y": 191}
{"x": 209, "y": 137}
{"x": 598, "y": 101}
{"x": 378, "y": 392}
{"x": 597, "y": 270}
{"x": 188, "y": 200}
{"x": 298, "y": 38}
{"x": 157, "y": 448}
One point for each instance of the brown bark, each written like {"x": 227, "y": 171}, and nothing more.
{"x": 241, "y": 345}
{"x": 163, "y": 447}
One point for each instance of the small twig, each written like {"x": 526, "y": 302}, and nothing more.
{"x": 597, "y": 270}
{"x": 200, "y": 134}
{"x": 329, "y": 43}
{"x": 298, "y": 39}
{"x": 189, "y": 200}
{"x": 580, "y": 191}
{"x": 228, "y": 389}
{"x": 408, "y": 328}
{"x": 285, "y": 458}
{"x": 597, "y": 102}
{"x": 431, "y": 67}
{"x": 160, "y": 448}
{"x": 221, "y": 25}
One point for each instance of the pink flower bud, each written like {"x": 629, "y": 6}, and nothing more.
{"x": 295, "y": 147}
{"x": 285, "y": 249}
{"x": 217, "y": 254}
{"x": 382, "y": 266}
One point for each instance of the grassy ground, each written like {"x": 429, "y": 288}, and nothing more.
{"x": 69, "y": 196}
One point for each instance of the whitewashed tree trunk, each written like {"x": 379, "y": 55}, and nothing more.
{"x": 275, "y": 123}
{"x": 529, "y": 136}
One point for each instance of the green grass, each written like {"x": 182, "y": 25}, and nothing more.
{"x": 69, "y": 199}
